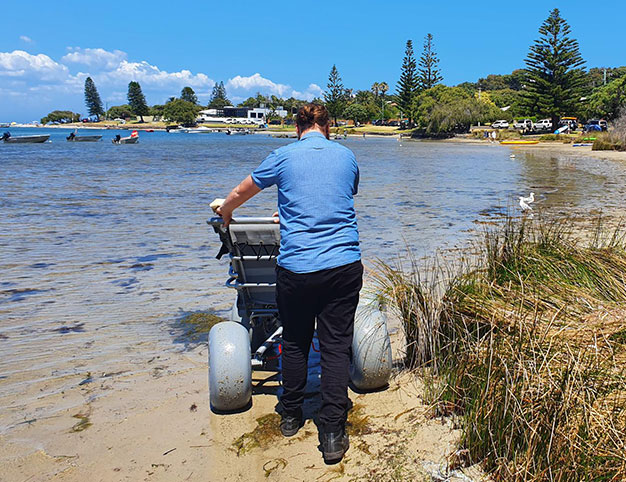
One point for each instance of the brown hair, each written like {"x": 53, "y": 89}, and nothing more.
{"x": 311, "y": 114}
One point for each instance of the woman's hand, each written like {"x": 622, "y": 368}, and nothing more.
{"x": 275, "y": 216}
{"x": 226, "y": 215}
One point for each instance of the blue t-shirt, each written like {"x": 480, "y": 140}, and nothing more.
{"x": 316, "y": 181}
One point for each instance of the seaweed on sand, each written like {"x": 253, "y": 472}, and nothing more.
{"x": 266, "y": 431}
{"x": 82, "y": 424}
{"x": 199, "y": 323}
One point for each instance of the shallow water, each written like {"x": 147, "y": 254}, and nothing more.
{"x": 104, "y": 247}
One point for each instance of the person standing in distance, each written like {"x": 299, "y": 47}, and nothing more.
{"x": 319, "y": 271}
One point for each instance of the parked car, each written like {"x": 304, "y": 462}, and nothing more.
{"x": 544, "y": 125}
{"x": 500, "y": 124}
{"x": 523, "y": 124}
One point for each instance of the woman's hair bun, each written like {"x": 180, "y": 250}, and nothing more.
{"x": 311, "y": 114}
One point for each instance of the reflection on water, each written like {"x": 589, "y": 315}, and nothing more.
{"x": 101, "y": 246}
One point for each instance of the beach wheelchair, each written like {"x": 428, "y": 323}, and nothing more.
{"x": 252, "y": 336}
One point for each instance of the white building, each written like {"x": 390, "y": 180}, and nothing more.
{"x": 240, "y": 115}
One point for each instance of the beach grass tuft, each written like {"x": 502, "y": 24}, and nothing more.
{"x": 527, "y": 348}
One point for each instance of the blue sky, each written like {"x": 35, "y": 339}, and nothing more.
{"x": 48, "y": 48}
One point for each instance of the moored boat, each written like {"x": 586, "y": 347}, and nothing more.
{"x": 7, "y": 137}
{"x": 200, "y": 130}
{"x": 76, "y": 138}
{"x": 237, "y": 132}
{"x": 132, "y": 139}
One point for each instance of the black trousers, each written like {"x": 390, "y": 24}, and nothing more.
{"x": 330, "y": 296}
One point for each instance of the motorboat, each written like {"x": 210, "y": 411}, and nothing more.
{"x": 7, "y": 137}
{"x": 73, "y": 137}
{"x": 200, "y": 130}
{"x": 132, "y": 139}
{"x": 237, "y": 132}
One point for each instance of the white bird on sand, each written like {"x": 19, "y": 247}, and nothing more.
{"x": 525, "y": 202}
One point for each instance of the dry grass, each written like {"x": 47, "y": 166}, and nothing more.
{"x": 528, "y": 347}
{"x": 615, "y": 139}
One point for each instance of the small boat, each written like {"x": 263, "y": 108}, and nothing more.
{"x": 75, "y": 138}
{"x": 200, "y": 130}
{"x": 237, "y": 132}
{"x": 582, "y": 144}
{"x": 518, "y": 143}
{"x": 7, "y": 137}
{"x": 148, "y": 130}
{"x": 132, "y": 139}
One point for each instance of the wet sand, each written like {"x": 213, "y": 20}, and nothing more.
{"x": 156, "y": 426}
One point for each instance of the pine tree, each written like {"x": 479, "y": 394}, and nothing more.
{"x": 92, "y": 99}
{"x": 219, "y": 99}
{"x": 189, "y": 95}
{"x": 136, "y": 100}
{"x": 554, "y": 71}
{"x": 407, "y": 85}
{"x": 428, "y": 73}
{"x": 335, "y": 95}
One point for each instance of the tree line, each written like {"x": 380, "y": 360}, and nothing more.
{"x": 554, "y": 83}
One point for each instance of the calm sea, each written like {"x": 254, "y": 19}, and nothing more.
{"x": 104, "y": 247}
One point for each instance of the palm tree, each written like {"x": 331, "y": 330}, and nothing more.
{"x": 384, "y": 87}
{"x": 375, "y": 88}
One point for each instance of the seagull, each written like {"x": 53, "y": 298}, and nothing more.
{"x": 525, "y": 202}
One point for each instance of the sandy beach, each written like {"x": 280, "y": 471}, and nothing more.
{"x": 146, "y": 417}
{"x": 157, "y": 426}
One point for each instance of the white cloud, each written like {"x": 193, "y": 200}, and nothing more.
{"x": 42, "y": 83}
{"x": 152, "y": 76}
{"x": 20, "y": 64}
{"x": 95, "y": 58}
{"x": 259, "y": 83}
{"x": 26, "y": 39}
{"x": 312, "y": 91}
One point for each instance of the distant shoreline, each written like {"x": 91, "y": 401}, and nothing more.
{"x": 556, "y": 147}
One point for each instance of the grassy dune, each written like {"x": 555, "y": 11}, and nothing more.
{"x": 527, "y": 347}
